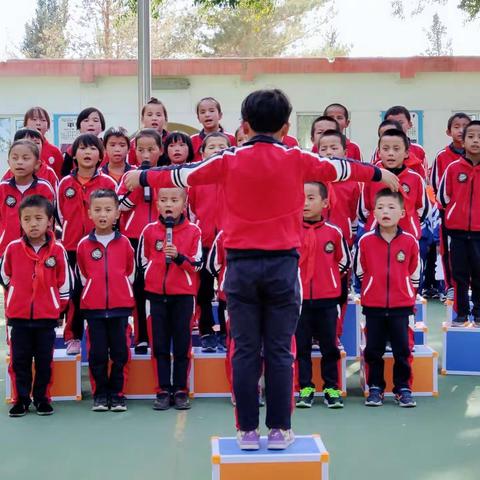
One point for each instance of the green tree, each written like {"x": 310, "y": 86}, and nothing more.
{"x": 438, "y": 42}
{"x": 470, "y": 7}
{"x": 45, "y": 35}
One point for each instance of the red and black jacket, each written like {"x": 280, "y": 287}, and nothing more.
{"x": 389, "y": 272}
{"x": 52, "y": 157}
{"x": 443, "y": 159}
{"x": 459, "y": 195}
{"x": 324, "y": 256}
{"x": 38, "y": 283}
{"x": 107, "y": 275}
{"x": 217, "y": 264}
{"x": 73, "y": 200}
{"x": 198, "y": 138}
{"x": 180, "y": 277}
{"x": 10, "y": 198}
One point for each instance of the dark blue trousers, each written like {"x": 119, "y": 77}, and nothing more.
{"x": 264, "y": 301}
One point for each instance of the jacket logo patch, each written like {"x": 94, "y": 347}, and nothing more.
{"x": 329, "y": 247}
{"x": 51, "y": 160}
{"x": 462, "y": 177}
{"x": 97, "y": 254}
{"x": 10, "y": 201}
{"x": 405, "y": 188}
{"x": 70, "y": 192}
{"x": 50, "y": 262}
{"x": 401, "y": 256}
{"x": 159, "y": 245}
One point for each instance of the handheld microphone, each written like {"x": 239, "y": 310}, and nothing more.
{"x": 169, "y": 223}
{"x": 147, "y": 192}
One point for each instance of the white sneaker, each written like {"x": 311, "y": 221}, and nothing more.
{"x": 279, "y": 439}
{"x": 74, "y": 347}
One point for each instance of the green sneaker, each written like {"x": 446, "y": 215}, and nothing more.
{"x": 333, "y": 398}
{"x": 305, "y": 400}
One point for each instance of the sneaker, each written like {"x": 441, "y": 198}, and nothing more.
{"x": 450, "y": 295}
{"x": 388, "y": 347}
{"x": 404, "y": 398}
{"x": 305, "y": 400}
{"x": 333, "y": 398}
{"x": 162, "y": 401}
{"x": 459, "y": 321}
{"x": 340, "y": 344}
{"x": 261, "y": 397}
{"x": 315, "y": 345}
{"x": 280, "y": 439}
{"x": 74, "y": 347}
{"x": 19, "y": 409}
{"x": 44, "y": 408}
{"x": 375, "y": 397}
{"x": 208, "y": 343}
{"x": 248, "y": 440}
{"x": 141, "y": 348}
{"x": 100, "y": 404}
{"x": 118, "y": 404}
{"x": 181, "y": 400}
{"x": 222, "y": 342}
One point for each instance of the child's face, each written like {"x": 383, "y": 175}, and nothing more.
{"x": 338, "y": 114}
{"x": 87, "y": 156}
{"x": 472, "y": 141}
{"x": 330, "y": 147}
{"x": 177, "y": 152}
{"x": 22, "y": 162}
{"x": 104, "y": 213}
{"x": 213, "y": 146}
{"x": 320, "y": 127}
{"x": 456, "y": 130}
{"x": 392, "y": 152}
{"x": 37, "y": 142}
{"x": 241, "y": 138}
{"x": 154, "y": 117}
{"x": 35, "y": 223}
{"x": 208, "y": 115}
{"x": 117, "y": 149}
{"x": 402, "y": 120}
{"x": 38, "y": 123}
{"x": 171, "y": 202}
{"x": 388, "y": 212}
{"x": 314, "y": 202}
{"x": 91, "y": 124}
{"x": 147, "y": 150}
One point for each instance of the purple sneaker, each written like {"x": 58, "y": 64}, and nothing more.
{"x": 248, "y": 440}
{"x": 280, "y": 439}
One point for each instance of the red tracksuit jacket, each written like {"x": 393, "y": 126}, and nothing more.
{"x": 443, "y": 159}
{"x": 179, "y": 277}
{"x": 44, "y": 172}
{"x": 52, "y": 157}
{"x": 10, "y": 198}
{"x": 217, "y": 263}
{"x": 263, "y": 189}
{"x": 290, "y": 141}
{"x": 323, "y": 257}
{"x": 107, "y": 275}
{"x": 197, "y": 141}
{"x": 416, "y": 201}
{"x": 38, "y": 283}
{"x": 459, "y": 195}
{"x": 390, "y": 272}
{"x": 72, "y": 203}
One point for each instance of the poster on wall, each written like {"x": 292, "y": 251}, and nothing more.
{"x": 415, "y": 134}
{"x": 64, "y": 130}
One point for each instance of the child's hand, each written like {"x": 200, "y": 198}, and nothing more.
{"x": 170, "y": 251}
{"x": 132, "y": 179}
{"x": 390, "y": 180}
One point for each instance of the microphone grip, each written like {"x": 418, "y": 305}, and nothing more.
{"x": 147, "y": 194}
{"x": 168, "y": 241}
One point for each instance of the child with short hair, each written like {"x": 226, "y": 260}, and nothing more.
{"x": 37, "y": 118}
{"x": 240, "y": 136}
{"x": 324, "y": 259}
{"x": 106, "y": 267}
{"x": 36, "y": 275}
{"x": 319, "y": 125}
{"x": 73, "y": 200}
{"x": 170, "y": 269}
{"x": 388, "y": 264}
{"x": 263, "y": 193}
{"x": 209, "y": 114}
{"x": 340, "y": 113}
{"x": 382, "y": 128}
{"x": 139, "y": 208}
{"x": 117, "y": 145}
{"x": 23, "y": 160}
{"x": 178, "y": 148}
{"x": 458, "y": 195}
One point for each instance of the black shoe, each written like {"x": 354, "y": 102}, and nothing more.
{"x": 209, "y": 343}
{"x": 182, "y": 402}
{"x": 118, "y": 404}
{"x": 162, "y": 402}
{"x": 459, "y": 321}
{"x": 44, "y": 408}
{"x": 18, "y": 410}
{"x": 100, "y": 404}
{"x": 222, "y": 342}
{"x": 141, "y": 348}
{"x": 375, "y": 397}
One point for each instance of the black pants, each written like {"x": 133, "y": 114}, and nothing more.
{"x": 141, "y": 334}
{"x": 445, "y": 249}
{"x": 222, "y": 308}
{"x": 74, "y": 326}
{"x": 169, "y": 323}
{"x": 465, "y": 263}
{"x": 108, "y": 338}
{"x": 205, "y": 297}
{"x": 27, "y": 344}
{"x": 263, "y": 306}
{"x": 319, "y": 322}
{"x": 395, "y": 328}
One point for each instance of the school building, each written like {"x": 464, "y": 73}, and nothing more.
{"x": 431, "y": 87}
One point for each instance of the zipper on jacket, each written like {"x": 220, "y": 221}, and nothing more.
{"x": 165, "y": 280}
{"x": 31, "y": 306}
{"x": 106, "y": 277}
{"x": 388, "y": 275}
{"x": 470, "y": 209}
